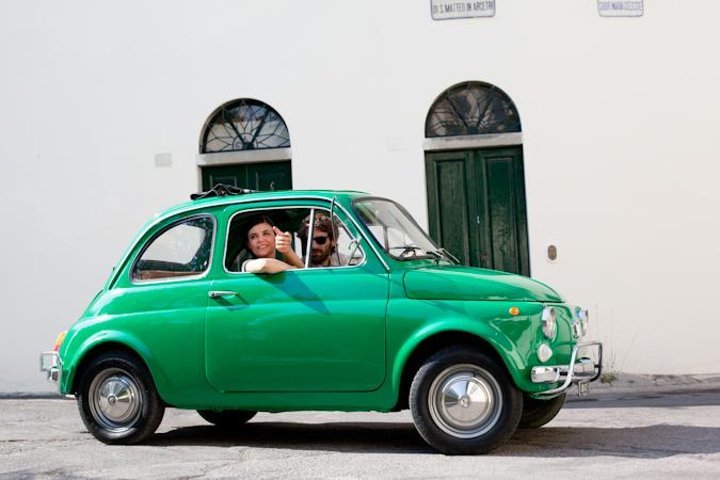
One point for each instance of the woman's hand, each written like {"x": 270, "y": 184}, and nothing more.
{"x": 283, "y": 241}
{"x": 283, "y": 244}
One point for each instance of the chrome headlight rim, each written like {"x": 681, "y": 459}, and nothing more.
{"x": 549, "y": 322}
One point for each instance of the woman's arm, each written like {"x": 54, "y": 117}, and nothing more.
{"x": 265, "y": 265}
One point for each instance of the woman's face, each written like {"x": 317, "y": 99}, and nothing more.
{"x": 261, "y": 241}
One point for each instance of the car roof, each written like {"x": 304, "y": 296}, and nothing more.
{"x": 208, "y": 202}
{"x": 213, "y": 201}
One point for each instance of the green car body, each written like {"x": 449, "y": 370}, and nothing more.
{"x": 350, "y": 338}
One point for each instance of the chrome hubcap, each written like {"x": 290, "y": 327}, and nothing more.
{"x": 465, "y": 401}
{"x": 115, "y": 399}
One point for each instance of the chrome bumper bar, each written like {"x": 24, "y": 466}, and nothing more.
{"x": 580, "y": 371}
{"x": 51, "y": 364}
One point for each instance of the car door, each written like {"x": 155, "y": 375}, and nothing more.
{"x": 304, "y": 330}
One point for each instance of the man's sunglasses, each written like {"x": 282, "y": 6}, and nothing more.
{"x": 320, "y": 240}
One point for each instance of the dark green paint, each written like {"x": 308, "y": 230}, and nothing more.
{"x": 476, "y": 207}
{"x": 266, "y": 176}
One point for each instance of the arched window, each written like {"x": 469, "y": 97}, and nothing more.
{"x": 244, "y": 124}
{"x": 245, "y": 143}
{"x": 472, "y": 108}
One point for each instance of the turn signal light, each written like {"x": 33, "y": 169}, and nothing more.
{"x": 514, "y": 311}
{"x": 59, "y": 340}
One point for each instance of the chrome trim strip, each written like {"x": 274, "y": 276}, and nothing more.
{"x": 545, "y": 375}
{"x": 570, "y": 371}
{"x": 51, "y": 364}
{"x": 310, "y": 232}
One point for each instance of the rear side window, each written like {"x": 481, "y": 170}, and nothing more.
{"x": 181, "y": 250}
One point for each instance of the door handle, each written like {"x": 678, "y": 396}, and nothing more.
{"x": 221, "y": 293}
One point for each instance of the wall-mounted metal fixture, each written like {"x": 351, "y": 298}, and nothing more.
{"x": 552, "y": 253}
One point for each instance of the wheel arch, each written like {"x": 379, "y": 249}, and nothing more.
{"x": 414, "y": 356}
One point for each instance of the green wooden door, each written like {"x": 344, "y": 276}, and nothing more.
{"x": 476, "y": 205}
{"x": 255, "y": 176}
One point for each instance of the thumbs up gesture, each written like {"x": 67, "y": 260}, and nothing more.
{"x": 283, "y": 240}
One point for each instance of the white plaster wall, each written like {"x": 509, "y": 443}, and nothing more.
{"x": 618, "y": 125}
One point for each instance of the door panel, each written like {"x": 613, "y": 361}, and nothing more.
{"x": 476, "y": 205}
{"x": 297, "y": 331}
{"x": 269, "y": 176}
{"x": 303, "y": 330}
{"x": 501, "y": 214}
{"x": 448, "y": 175}
{"x": 255, "y": 176}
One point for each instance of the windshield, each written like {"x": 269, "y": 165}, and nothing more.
{"x": 395, "y": 230}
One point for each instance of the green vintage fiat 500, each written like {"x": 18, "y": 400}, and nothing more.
{"x": 365, "y": 313}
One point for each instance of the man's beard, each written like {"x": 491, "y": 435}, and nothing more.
{"x": 319, "y": 256}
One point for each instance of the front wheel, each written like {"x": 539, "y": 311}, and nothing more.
{"x": 117, "y": 399}
{"x": 463, "y": 402}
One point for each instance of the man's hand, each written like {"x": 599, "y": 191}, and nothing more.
{"x": 283, "y": 240}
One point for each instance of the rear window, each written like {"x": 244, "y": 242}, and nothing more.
{"x": 181, "y": 250}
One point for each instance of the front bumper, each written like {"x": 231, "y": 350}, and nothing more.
{"x": 51, "y": 365}
{"x": 580, "y": 371}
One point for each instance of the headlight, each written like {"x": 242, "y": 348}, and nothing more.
{"x": 549, "y": 322}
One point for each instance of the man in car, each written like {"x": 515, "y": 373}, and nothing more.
{"x": 323, "y": 252}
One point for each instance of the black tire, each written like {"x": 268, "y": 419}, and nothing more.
{"x": 486, "y": 412}
{"x": 227, "y": 419}
{"x": 537, "y": 413}
{"x": 117, "y": 399}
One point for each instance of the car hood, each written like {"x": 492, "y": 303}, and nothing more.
{"x": 468, "y": 283}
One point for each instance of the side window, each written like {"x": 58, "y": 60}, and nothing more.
{"x": 330, "y": 247}
{"x": 240, "y": 249}
{"x": 179, "y": 251}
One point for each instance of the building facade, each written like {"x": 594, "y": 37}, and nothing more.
{"x": 547, "y": 139}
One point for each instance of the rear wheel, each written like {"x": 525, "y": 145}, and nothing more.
{"x": 227, "y": 418}
{"x": 117, "y": 399}
{"x": 537, "y": 413}
{"x": 464, "y": 402}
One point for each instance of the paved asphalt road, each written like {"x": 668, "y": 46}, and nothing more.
{"x": 648, "y": 434}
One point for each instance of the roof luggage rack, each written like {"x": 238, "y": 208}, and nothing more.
{"x": 221, "y": 190}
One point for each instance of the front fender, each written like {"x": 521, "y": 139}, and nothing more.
{"x": 502, "y": 345}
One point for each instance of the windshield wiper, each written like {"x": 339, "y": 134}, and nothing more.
{"x": 442, "y": 253}
{"x": 412, "y": 249}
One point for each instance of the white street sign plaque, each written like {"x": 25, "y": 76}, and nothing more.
{"x": 620, "y": 8}
{"x": 450, "y": 9}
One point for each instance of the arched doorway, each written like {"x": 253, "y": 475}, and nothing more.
{"x": 475, "y": 178}
{"x": 245, "y": 143}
